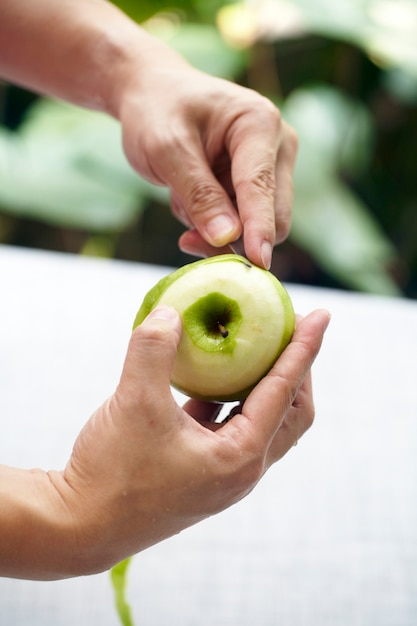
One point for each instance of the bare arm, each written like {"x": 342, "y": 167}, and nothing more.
{"x": 67, "y": 49}
{"x": 222, "y": 150}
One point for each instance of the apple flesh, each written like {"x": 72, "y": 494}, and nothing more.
{"x": 237, "y": 319}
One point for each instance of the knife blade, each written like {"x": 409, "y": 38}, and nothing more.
{"x": 237, "y": 247}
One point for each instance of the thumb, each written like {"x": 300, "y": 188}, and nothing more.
{"x": 203, "y": 203}
{"x": 150, "y": 356}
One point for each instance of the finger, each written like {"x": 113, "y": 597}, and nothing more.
{"x": 284, "y": 183}
{"x": 199, "y": 199}
{"x": 202, "y": 411}
{"x": 298, "y": 420}
{"x": 268, "y": 404}
{"x": 149, "y": 360}
{"x": 254, "y": 142}
{"x": 191, "y": 242}
{"x": 178, "y": 210}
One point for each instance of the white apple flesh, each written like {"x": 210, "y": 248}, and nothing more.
{"x": 237, "y": 319}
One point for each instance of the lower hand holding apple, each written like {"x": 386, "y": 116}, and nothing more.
{"x": 144, "y": 469}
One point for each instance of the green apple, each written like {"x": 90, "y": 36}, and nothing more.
{"x": 237, "y": 319}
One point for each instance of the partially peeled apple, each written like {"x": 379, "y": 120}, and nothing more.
{"x": 237, "y": 319}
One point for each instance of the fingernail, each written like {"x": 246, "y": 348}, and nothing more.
{"x": 221, "y": 230}
{"x": 266, "y": 255}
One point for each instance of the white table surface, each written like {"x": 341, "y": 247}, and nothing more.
{"x": 329, "y": 537}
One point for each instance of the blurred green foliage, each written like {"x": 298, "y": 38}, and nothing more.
{"x": 344, "y": 75}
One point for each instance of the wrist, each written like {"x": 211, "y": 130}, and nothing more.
{"x": 50, "y": 530}
{"x": 134, "y": 58}
{"x": 37, "y": 534}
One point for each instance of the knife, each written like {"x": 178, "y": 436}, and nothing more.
{"x": 237, "y": 247}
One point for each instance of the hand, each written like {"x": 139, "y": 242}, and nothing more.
{"x": 223, "y": 150}
{"x": 143, "y": 469}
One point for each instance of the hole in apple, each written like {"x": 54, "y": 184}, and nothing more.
{"x": 212, "y": 322}
{"x": 218, "y": 323}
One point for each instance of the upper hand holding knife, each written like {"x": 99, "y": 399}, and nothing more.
{"x": 224, "y": 152}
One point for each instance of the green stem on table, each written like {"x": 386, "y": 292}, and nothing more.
{"x": 118, "y": 576}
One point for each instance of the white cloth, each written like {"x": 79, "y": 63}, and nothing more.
{"x": 329, "y": 537}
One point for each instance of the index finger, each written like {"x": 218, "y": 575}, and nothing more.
{"x": 262, "y": 150}
{"x": 267, "y": 405}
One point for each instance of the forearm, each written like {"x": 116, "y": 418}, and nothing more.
{"x": 71, "y": 49}
{"x": 37, "y": 537}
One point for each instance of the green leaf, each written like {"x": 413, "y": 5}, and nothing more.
{"x": 118, "y": 577}
{"x": 336, "y": 132}
{"x": 384, "y": 29}
{"x": 329, "y": 220}
{"x": 203, "y": 46}
{"x": 143, "y": 10}
{"x": 66, "y": 166}
{"x": 340, "y": 234}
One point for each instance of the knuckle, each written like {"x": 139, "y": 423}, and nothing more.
{"x": 259, "y": 110}
{"x": 264, "y": 180}
{"x": 165, "y": 145}
{"x": 160, "y": 143}
{"x": 203, "y": 195}
{"x": 260, "y": 182}
{"x": 284, "y": 387}
{"x": 288, "y": 391}
{"x": 240, "y": 466}
{"x": 267, "y": 109}
{"x": 272, "y": 116}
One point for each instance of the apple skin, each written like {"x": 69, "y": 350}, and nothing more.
{"x": 237, "y": 319}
